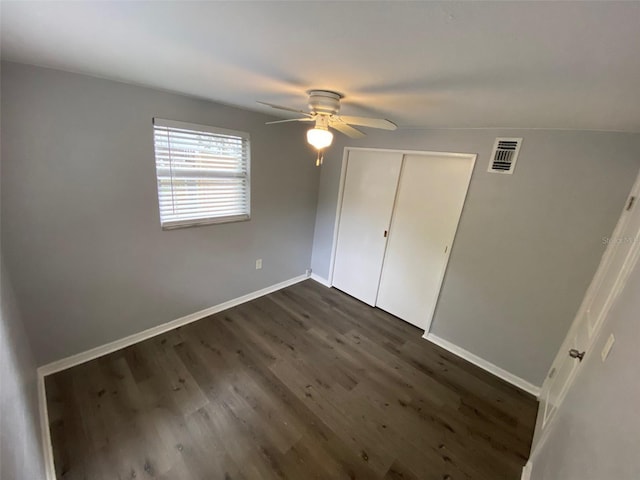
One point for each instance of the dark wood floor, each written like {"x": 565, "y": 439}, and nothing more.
{"x": 305, "y": 383}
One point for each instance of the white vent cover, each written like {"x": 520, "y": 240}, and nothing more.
{"x": 505, "y": 154}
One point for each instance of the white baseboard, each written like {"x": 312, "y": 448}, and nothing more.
{"x": 526, "y": 471}
{"x": 320, "y": 280}
{"x": 102, "y": 350}
{"x": 110, "y": 347}
{"x": 484, "y": 364}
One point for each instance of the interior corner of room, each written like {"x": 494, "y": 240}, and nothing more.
{"x": 338, "y": 274}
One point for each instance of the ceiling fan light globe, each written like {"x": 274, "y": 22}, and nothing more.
{"x": 319, "y": 137}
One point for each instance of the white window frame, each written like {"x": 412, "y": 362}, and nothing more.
{"x": 206, "y": 218}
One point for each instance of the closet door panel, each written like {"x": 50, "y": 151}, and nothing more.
{"x": 431, "y": 194}
{"x": 368, "y": 196}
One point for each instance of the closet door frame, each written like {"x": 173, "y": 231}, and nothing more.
{"x": 345, "y": 155}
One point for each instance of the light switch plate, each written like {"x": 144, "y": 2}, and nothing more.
{"x": 607, "y": 347}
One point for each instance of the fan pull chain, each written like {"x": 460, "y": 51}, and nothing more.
{"x": 320, "y": 158}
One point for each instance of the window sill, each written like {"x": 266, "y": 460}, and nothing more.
{"x": 204, "y": 222}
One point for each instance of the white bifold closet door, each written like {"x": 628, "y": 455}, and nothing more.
{"x": 428, "y": 205}
{"x": 367, "y": 203}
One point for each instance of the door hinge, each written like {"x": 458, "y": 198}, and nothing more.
{"x": 385, "y": 234}
{"x": 446, "y": 248}
{"x": 632, "y": 201}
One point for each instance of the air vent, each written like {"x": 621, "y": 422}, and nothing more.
{"x": 505, "y": 154}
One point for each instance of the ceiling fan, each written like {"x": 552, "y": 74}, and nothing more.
{"x": 324, "y": 106}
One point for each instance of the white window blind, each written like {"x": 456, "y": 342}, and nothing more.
{"x": 203, "y": 174}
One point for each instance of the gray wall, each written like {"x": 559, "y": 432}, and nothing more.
{"x": 21, "y": 454}
{"x": 596, "y": 434}
{"x": 20, "y": 449}
{"x": 527, "y": 244}
{"x": 81, "y": 232}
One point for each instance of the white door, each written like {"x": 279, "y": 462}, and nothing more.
{"x": 602, "y": 292}
{"x": 367, "y": 202}
{"x": 430, "y": 197}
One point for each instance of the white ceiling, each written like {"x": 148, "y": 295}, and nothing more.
{"x": 568, "y": 65}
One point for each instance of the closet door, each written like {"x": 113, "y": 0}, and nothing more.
{"x": 431, "y": 193}
{"x": 368, "y": 195}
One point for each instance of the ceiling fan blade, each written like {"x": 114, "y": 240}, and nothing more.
{"x": 291, "y": 120}
{"x": 348, "y": 130}
{"x": 280, "y": 107}
{"x": 369, "y": 122}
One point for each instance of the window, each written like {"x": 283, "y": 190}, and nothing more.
{"x": 203, "y": 174}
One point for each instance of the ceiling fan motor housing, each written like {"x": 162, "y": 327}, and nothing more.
{"x": 324, "y": 102}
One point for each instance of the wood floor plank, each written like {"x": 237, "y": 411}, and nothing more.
{"x": 304, "y": 383}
